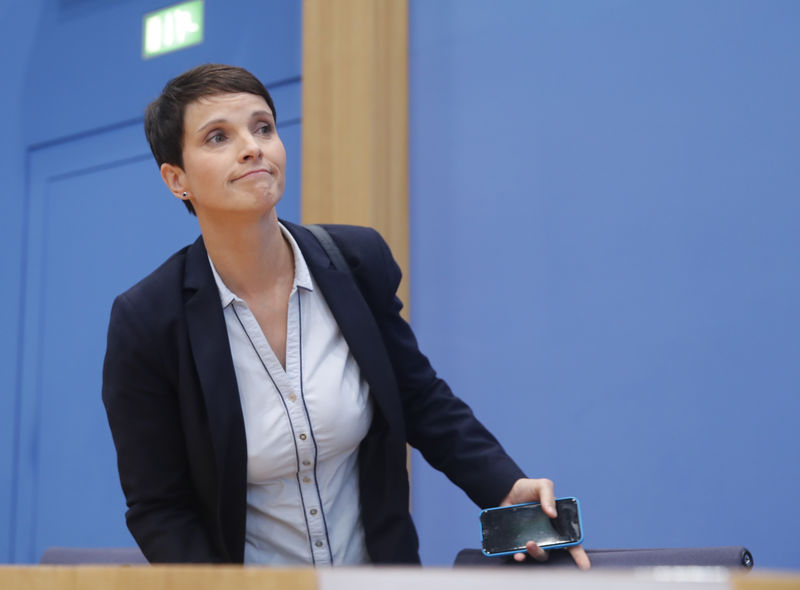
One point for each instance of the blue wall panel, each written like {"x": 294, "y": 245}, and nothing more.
{"x": 88, "y": 54}
{"x": 85, "y": 215}
{"x": 605, "y": 233}
{"x": 17, "y": 25}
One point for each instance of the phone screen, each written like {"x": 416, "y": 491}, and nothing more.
{"x": 508, "y": 529}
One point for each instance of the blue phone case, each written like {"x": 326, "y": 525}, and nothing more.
{"x": 548, "y": 547}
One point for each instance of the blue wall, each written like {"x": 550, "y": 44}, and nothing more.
{"x": 605, "y": 230}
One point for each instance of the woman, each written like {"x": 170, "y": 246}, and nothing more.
{"x": 260, "y": 399}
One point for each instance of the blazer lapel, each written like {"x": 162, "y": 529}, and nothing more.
{"x": 212, "y": 356}
{"x": 356, "y": 322}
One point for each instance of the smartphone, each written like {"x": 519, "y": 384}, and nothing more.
{"x": 505, "y": 530}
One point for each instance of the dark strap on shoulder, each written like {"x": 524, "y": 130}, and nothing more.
{"x": 326, "y": 241}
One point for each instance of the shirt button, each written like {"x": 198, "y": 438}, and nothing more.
{"x": 306, "y": 479}
{"x": 306, "y": 462}
{"x": 318, "y": 543}
{"x": 313, "y": 511}
{"x": 302, "y": 437}
{"x": 292, "y": 397}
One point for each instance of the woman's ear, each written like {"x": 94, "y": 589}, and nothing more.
{"x": 175, "y": 179}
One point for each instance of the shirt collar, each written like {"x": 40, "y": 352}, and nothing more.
{"x": 302, "y": 276}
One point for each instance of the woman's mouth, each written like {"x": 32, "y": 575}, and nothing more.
{"x": 253, "y": 173}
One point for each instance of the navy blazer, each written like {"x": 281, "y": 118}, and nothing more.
{"x": 173, "y": 406}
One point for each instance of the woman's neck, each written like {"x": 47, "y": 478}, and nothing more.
{"x": 251, "y": 256}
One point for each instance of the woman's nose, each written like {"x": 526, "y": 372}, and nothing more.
{"x": 250, "y": 149}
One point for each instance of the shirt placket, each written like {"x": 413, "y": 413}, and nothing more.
{"x": 289, "y": 386}
{"x": 304, "y": 436}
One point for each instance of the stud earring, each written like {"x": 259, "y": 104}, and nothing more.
{"x": 185, "y": 194}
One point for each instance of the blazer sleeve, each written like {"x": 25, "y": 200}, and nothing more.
{"x": 139, "y": 393}
{"x": 438, "y": 423}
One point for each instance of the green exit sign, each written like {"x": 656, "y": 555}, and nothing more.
{"x": 172, "y": 28}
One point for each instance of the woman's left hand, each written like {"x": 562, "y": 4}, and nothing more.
{"x": 541, "y": 490}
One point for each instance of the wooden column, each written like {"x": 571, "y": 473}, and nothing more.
{"x": 355, "y": 118}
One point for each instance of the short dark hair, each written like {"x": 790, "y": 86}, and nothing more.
{"x": 163, "y": 119}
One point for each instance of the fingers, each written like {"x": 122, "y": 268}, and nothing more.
{"x": 547, "y": 496}
{"x": 577, "y": 552}
{"x": 580, "y": 557}
{"x": 533, "y": 490}
{"x": 535, "y": 551}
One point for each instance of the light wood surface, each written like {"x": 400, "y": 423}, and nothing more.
{"x": 229, "y": 577}
{"x": 355, "y": 118}
{"x": 172, "y": 577}
{"x": 767, "y": 581}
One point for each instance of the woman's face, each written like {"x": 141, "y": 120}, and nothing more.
{"x": 233, "y": 159}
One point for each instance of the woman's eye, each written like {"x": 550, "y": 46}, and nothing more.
{"x": 265, "y": 128}
{"x": 217, "y": 137}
